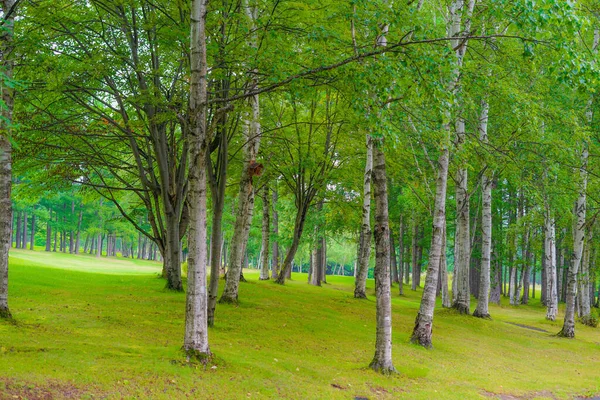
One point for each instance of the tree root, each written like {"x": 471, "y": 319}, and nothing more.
{"x": 462, "y": 309}
{"x": 477, "y": 314}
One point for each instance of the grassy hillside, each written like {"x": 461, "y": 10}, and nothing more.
{"x": 114, "y": 332}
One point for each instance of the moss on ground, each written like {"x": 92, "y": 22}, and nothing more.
{"x": 117, "y": 333}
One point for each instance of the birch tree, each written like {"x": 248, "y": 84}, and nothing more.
{"x": 382, "y": 360}
{"x": 196, "y": 320}
{"x": 7, "y": 92}
{"x": 462, "y": 237}
{"x": 364, "y": 244}
{"x": 482, "y": 310}
{"x": 245, "y": 207}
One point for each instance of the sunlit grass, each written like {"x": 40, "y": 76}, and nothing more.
{"x": 118, "y": 334}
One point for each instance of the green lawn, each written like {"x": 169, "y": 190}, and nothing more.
{"x": 115, "y": 333}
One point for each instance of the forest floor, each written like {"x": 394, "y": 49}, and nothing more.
{"x": 114, "y": 332}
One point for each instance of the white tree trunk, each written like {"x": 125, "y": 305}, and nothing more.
{"x": 550, "y": 255}
{"x": 382, "y": 360}
{"x": 462, "y": 296}
{"x": 482, "y": 310}
{"x": 584, "y": 283}
{"x": 568, "y": 329}
{"x": 446, "y": 299}
{"x": 6, "y": 48}
{"x": 252, "y": 135}
{"x": 364, "y": 244}
{"x": 424, "y": 321}
{"x": 196, "y": 319}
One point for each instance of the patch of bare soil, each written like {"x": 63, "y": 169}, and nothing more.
{"x": 11, "y": 389}
{"x": 533, "y": 328}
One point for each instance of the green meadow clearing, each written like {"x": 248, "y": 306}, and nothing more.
{"x": 105, "y": 328}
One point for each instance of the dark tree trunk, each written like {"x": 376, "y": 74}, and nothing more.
{"x": 394, "y": 263}
{"x": 415, "y": 255}
{"x": 24, "y": 231}
{"x": 77, "y": 244}
{"x": 275, "y": 251}
{"x": 401, "y": 257}
{"x": 291, "y": 253}
{"x": 49, "y": 232}
{"x": 18, "y": 235}
{"x": 32, "y": 236}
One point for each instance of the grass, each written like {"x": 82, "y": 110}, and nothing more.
{"x": 116, "y": 333}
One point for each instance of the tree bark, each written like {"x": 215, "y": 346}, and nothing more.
{"x": 170, "y": 251}
{"x": 266, "y": 232}
{"x": 463, "y": 240}
{"x": 24, "y": 231}
{"x": 401, "y": 257}
{"x": 32, "y": 235}
{"x": 550, "y": 261}
{"x": 394, "y": 263}
{"x": 196, "y": 328}
{"x": 77, "y": 240}
{"x": 462, "y": 297}
{"x": 365, "y": 228}
{"x": 6, "y": 60}
{"x": 422, "y": 331}
{"x": 71, "y": 235}
{"x": 18, "y": 235}
{"x": 482, "y": 309}
{"x": 382, "y": 360}
{"x": 49, "y": 231}
{"x": 275, "y": 256}
{"x": 323, "y": 269}
{"x": 252, "y": 131}
{"x": 217, "y": 178}
{"x": 299, "y": 222}
{"x": 415, "y": 255}
{"x": 584, "y": 283}
{"x": 568, "y": 329}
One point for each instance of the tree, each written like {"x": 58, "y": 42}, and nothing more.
{"x": 382, "y": 360}
{"x": 196, "y": 319}
{"x": 364, "y": 243}
{"x": 7, "y": 92}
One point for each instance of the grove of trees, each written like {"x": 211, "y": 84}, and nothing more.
{"x": 455, "y": 140}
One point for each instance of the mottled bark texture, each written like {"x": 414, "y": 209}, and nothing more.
{"x": 422, "y": 331}
{"x": 583, "y": 293}
{"x": 364, "y": 244}
{"x": 550, "y": 261}
{"x": 462, "y": 296}
{"x": 382, "y": 360}
{"x": 252, "y": 136}
{"x": 568, "y": 329}
{"x": 196, "y": 328}
{"x": 6, "y": 48}
{"x": 482, "y": 310}
{"x": 217, "y": 179}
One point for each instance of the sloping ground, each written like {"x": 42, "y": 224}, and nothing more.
{"x": 84, "y": 335}
{"x": 87, "y": 263}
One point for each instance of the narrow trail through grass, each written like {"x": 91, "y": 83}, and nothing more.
{"x": 116, "y": 333}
